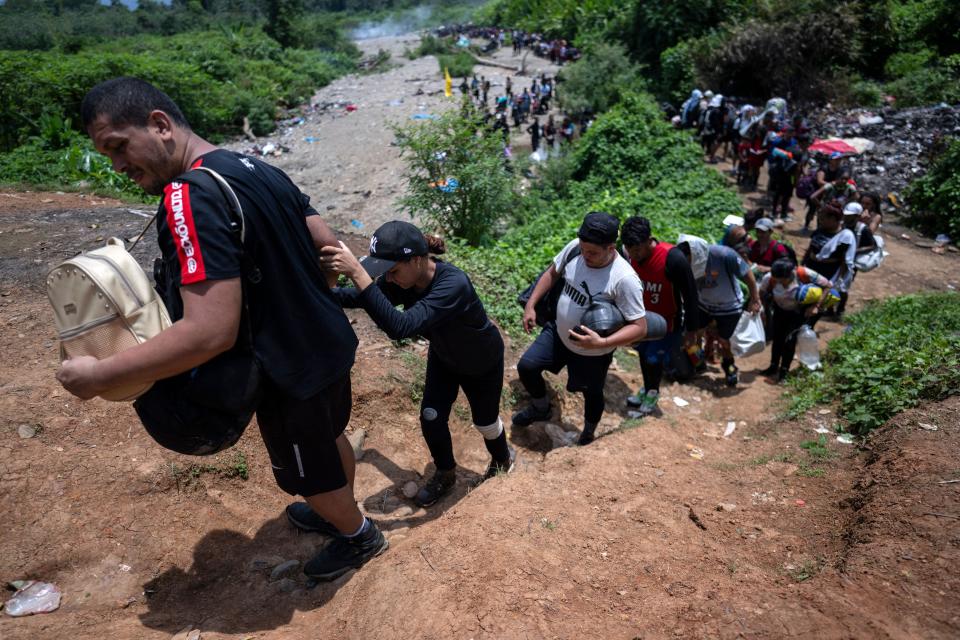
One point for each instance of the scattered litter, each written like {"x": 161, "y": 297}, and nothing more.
{"x": 410, "y": 489}
{"x": 33, "y": 597}
{"x": 357, "y": 224}
{"x": 845, "y": 438}
{"x": 268, "y": 148}
{"x": 866, "y": 120}
{"x": 125, "y": 568}
{"x": 423, "y": 116}
{"x": 760, "y": 497}
{"x": 680, "y": 402}
{"x": 928, "y": 427}
{"x": 800, "y": 503}
{"x": 942, "y": 238}
{"x": 695, "y": 453}
{"x": 904, "y": 236}
{"x": 351, "y": 108}
{"x": 311, "y": 139}
{"x": 825, "y": 412}
{"x": 821, "y": 429}
{"x": 26, "y": 431}
{"x": 560, "y": 436}
{"x": 633, "y": 415}
{"x": 142, "y": 214}
{"x": 733, "y": 219}
{"x": 731, "y": 427}
{"x": 395, "y": 103}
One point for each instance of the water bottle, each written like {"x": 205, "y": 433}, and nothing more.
{"x": 808, "y": 349}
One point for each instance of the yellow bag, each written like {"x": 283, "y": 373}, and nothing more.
{"x": 103, "y": 303}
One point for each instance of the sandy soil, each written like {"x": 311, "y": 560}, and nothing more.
{"x": 661, "y": 528}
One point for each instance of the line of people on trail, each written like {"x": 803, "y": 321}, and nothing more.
{"x": 523, "y": 108}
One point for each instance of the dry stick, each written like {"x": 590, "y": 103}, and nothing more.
{"x": 427, "y": 560}
{"x": 942, "y": 515}
{"x": 948, "y": 481}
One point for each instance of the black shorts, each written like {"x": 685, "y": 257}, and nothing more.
{"x": 548, "y": 353}
{"x": 726, "y": 322}
{"x": 301, "y": 437}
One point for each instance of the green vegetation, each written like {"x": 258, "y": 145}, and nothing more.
{"x": 233, "y": 465}
{"x": 934, "y": 199}
{"x": 215, "y": 60}
{"x": 808, "y": 49}
{"x": 599, "y": 80}
{"x": 630, "y": 162}
{"x": 459, "y": 64}
{"x": 896, "y": 353}
{"x": 457, "y": 180}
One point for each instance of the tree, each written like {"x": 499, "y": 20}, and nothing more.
{"x": 598, "y": 80}
{"x": 283, "y": 17}
{"x": 457, "y": 178}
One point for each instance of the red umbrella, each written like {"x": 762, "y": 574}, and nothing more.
{"x": 833, "y": 145}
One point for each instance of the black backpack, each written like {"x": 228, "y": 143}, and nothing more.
{"x": 546, "y": 308}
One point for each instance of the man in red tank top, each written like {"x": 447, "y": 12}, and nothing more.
{"x": 669, "y": 289}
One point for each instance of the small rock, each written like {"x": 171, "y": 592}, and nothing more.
{"x": 403, "y": 511}
{"x": 927, "y": 427}
{"x": 265, "y": 562}
{"x": 26, "y": 431}
{"x": 194, "y": 635}
{"x": 287, "y": 585}
{"x": 726, "y": 506}
{"x": 284, "y": 569}
{"x": 356, "y": 441}
{"x": 410, "y": 489}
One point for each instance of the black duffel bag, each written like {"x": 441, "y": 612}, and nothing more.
{"x": 546, "y": 307}
{"x": 206, "y": 410}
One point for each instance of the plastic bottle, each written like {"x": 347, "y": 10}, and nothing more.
{"x": 808, "y": 348}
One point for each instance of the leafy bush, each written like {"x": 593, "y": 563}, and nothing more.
{"x": 597, "y": 81}
{"x": 459, "y": 64}
{"x": 895, "y": 353}
{"x": 678, "y": 72}
{"x": 449, "y": 149}
{"x": 433, "y": 46}
{"x": 216, "y": 77}
{"x": 934, "y": 199}
{"x": 865, "y": 93}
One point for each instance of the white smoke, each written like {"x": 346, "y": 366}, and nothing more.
{"x": 407, "y": 21}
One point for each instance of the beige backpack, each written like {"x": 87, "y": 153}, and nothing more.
{"x": 103, "y": 303}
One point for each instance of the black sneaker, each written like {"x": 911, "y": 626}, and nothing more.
{"x": 769, "y": 371}
{"x": 304, "y": 518}
{"x": 496, "y": 468}
{"x": 438, "y": 486}
{"x": 530, "y": 414}
{"x": 344, "y": 554}
{"x": 784, "y": 373}
{"x": 732, "y": 376}
{"x": 586, "y": 437}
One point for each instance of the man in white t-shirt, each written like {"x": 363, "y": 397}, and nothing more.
{"x": 599, "y": 271}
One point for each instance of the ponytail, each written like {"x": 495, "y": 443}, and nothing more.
{"x": 435, "y": 244}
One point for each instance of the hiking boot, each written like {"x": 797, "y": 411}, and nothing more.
{"x": 586, "y": 437}
{"x": 438, "y": 486}
{"x": 496, "y": 468}
{"x": 304, "y": 518}
{"x": 769, "y": 371}
{"x": 783, "y": 374}
{"x": 636, "y": 401}
{"x": 528, "y": 415}
{"x": 650, "y": 400}
{"x": 344, "y": 554}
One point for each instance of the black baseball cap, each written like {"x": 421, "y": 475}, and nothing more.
{"x": 391, "y": 243}
{"x": 599, "y": 228}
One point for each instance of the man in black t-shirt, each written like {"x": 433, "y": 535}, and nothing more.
{"x": 300, "y": 335}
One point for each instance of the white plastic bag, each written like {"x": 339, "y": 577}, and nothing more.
{"x": 748, "y": 338}
{"x": 871, "y": 259}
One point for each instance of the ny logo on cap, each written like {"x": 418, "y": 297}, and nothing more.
{"x": 373, "y": 244}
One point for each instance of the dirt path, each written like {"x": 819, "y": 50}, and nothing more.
{"x": 661, "y": 528}
{"x": 345, "y": 160}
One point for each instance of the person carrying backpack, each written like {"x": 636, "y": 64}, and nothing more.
{"x": 598, "y": 272}
{"x": 440, "y": 304}
{"x": 305, "y": 397}
{"x": 668, "y": 289}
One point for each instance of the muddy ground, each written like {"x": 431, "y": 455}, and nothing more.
{"x": 661, "y": 528}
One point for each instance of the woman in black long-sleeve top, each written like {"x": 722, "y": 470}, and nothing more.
{"x": 440, "y": 304}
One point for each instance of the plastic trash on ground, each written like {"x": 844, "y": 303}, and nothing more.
{"x": 680, "y": 402}
{"x": 33, "y": 597}
{"x": 560, "y": 436}
{"x": 845, "y": 438}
